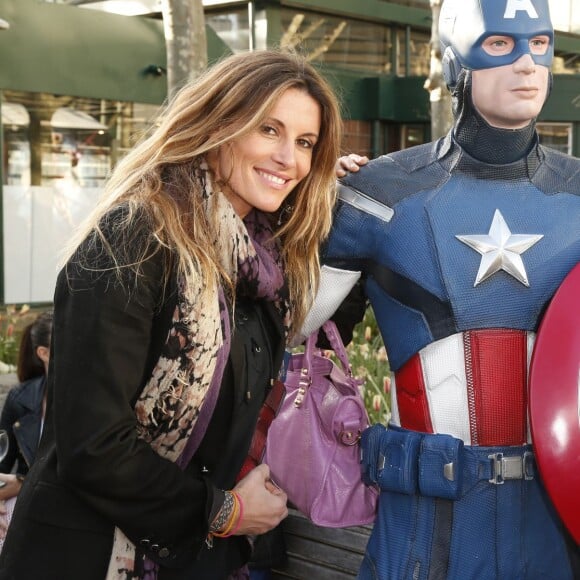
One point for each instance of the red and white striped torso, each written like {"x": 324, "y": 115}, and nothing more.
{"x": 472, "y": 385}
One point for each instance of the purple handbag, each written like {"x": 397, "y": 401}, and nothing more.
{"x": 313, "y": 443}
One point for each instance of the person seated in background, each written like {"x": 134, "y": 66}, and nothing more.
{"x": 23, "y": 412}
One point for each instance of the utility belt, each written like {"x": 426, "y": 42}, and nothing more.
{"x": 437, "y": 465}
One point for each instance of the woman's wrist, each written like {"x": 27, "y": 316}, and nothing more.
{"x": 228, "y": 520}
{"x": 224, "y": 514}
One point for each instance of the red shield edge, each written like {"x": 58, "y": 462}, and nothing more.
{"x": 555, "y": 400}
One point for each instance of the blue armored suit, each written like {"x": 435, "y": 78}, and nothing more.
{"x": 459, "y": 259}
{"x": 459, "y": 246}
{"x": 422, "y": 275}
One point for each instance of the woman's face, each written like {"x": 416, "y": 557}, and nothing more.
{"x": 261, "y": 168}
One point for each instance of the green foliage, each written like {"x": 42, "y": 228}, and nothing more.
{"x": 12, "y": 322}
{"x": 369, "y": 362}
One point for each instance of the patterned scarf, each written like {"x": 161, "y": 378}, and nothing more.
{"x": 187, "y": 377}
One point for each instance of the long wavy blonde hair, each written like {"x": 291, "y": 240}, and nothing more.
{"x": 156, "y": 179}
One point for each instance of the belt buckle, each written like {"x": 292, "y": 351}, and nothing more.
{"x": 504, "y": 468}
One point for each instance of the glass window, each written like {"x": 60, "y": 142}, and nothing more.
{"x": 419, "y": 53}
{"x": 412, "y": 135}
{"x": 58, "y": 152}
{"x": 233, "y": 27}
{"x": 556, "y": 135}
{"x": 50, "y": 138}
{"x": 337, "y": 41}
{"x": 357, "y": 137}
{"x": 15, "y": 127}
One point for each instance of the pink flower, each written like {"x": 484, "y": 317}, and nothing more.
{"x": 377, "y": 402}
{"x": 368, "y": 334}
{"x": 9, "y": 330}
{"x": 382, "y": 354}
{"x": 364, "y": 351}
{"x": 387, "y": 384}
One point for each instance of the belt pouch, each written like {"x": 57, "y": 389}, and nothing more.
{"x": 369, "y": 452}
{"x": 441, "y": 466}
{"x": 398, "y": 455}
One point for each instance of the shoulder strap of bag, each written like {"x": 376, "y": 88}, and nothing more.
{"x": 331, "y": 331}
{"x": 337, "y": 345}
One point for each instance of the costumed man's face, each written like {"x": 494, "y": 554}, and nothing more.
{"x": 510, "y": 96}
{"x": 262, "y": 168}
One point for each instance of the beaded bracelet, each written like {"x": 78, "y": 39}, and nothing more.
{"x": 222, "y": 518}
{"x": 233, "y": 520}
{"x": 226, "y": 532}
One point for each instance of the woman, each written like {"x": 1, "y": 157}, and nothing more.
{"x": 23, "y": 411}
{"x": 171, "y": 318}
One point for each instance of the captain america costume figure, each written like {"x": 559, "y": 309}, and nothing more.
{"x": 459, "y": 245}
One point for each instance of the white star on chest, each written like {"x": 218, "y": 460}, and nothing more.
{"x": 501, "y": 250}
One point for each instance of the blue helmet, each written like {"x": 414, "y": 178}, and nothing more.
{"x": 465, "y": 24}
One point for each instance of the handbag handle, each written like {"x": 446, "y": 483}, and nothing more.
{"x": 335, "y": 340}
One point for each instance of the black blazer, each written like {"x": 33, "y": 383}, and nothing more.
{"x": 92, "y": 473}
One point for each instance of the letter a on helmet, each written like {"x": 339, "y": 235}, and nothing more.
{"x": 465, "y": 24}
{"x": 525, "y": 5}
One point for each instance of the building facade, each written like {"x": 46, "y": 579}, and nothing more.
{"x": 79, "y": 84}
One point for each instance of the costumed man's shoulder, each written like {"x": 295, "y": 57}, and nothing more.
{"x": 559, "y": 173}
{"x": 390, "y": 178}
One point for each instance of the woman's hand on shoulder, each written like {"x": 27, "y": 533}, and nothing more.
{"x": 349, "y": 164}
{"x": 264, "y": 504}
